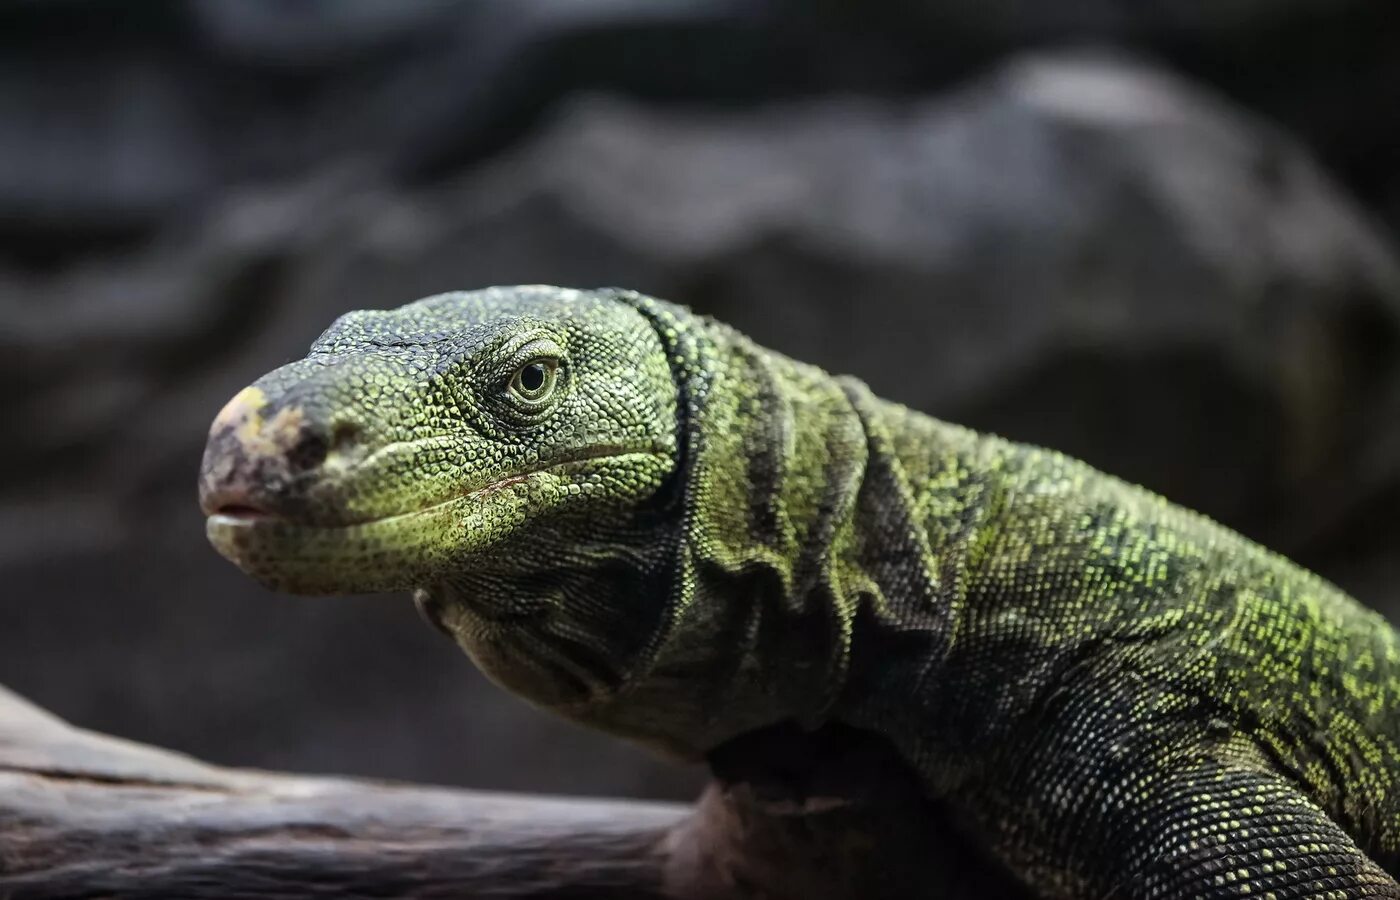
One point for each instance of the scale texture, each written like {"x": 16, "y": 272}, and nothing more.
{"x": 636, "y": 517}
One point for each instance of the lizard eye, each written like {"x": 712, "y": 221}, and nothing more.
{"x": 534, "y": 382}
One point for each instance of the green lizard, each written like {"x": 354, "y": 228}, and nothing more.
{"x": 636, "y": 517}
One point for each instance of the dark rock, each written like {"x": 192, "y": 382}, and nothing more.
{"x": 115, "y": 120}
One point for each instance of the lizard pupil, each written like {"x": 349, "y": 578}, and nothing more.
{"x": 532, "y": 377}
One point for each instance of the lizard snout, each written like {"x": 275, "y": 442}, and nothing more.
{"x": 260, "y": 458}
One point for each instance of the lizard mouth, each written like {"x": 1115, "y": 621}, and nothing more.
{"x": 251, "y": 514}
{"x": 400, "y": 549}
{"x": 238, "y": 504}
{"x": 242, "y": 511}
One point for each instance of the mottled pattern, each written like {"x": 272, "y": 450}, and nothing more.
{"x": 670, "y": 533}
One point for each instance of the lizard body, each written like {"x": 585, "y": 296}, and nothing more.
{"x": 640, "y": 519}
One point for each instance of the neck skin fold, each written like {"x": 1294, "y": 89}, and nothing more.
{"x": 797, "y": 530}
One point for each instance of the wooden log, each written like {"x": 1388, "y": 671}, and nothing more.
{"x": 84, "y": 815}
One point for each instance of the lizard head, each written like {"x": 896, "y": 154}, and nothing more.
{"x": 502, "y": 452}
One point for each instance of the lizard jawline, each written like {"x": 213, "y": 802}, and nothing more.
{"x": 393, "y": 552}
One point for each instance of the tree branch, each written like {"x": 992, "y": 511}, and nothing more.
{"x": 788, "y": 816}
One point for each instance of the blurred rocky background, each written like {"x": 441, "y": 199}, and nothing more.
{"x": 1160, "y": 236}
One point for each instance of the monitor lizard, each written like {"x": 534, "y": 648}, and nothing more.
{"x": 638, "y": 518}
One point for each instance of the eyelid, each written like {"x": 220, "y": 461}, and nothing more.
{"x": 534, "y": 349}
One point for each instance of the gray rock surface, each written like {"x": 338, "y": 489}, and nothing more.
{"x": 118, "y": 116}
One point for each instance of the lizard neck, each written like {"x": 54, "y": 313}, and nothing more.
{"x": 795, "y": 523}
{"x": 757, "y": 627}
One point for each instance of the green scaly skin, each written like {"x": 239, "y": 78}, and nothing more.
{"x": 641, "y": 520}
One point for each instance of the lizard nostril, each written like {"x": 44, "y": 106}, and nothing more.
{"x": 308, "y": 453}
{"x": 344, "y": 437}
{"x": 345, "y": 445}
